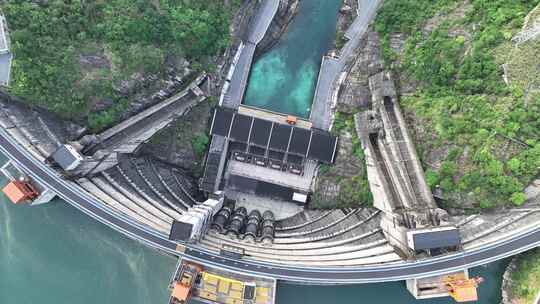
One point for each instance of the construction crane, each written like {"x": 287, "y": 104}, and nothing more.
{"x": 461, "y": 288}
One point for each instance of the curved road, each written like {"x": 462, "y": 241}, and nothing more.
{"x": 76, "y": 196}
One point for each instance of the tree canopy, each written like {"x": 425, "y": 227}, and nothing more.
{"x": 49, "y": 40}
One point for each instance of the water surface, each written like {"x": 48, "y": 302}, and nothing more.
{"x": 388, "y": 293}
{"x": 55, "y": 254}
{"x": 284, "y": 79}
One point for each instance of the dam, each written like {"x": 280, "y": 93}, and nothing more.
{"x": 159, "y": 206}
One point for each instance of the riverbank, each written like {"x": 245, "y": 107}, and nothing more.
{"x": 521, "y": 280}
{"x": 286, "y": 13}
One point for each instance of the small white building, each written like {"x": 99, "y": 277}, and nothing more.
{"x": 67, "y": 157}
{"x": 193, "y": 224}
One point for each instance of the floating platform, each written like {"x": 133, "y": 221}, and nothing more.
{"x": 213, "y": 285}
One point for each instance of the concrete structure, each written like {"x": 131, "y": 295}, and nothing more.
{"x": 67, "y": 157}
{"x": 396, "y": 177}
{"x": 103, "y": 150}
{"x": 432, "y": 287}
{"x": 337, "y": 247}
{"x": 236, "y": 81}
{"x": 516, "y": 232}
{"x": 332, "y": 67}
{"x": 196, "y": 221}
{"x": 265, "y": 155}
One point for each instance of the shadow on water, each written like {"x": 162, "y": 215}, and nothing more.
{"x": 284, "y": 79}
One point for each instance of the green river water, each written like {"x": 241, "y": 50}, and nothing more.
{"x": 284, "y": 79}
{"x": 54, "y": 254}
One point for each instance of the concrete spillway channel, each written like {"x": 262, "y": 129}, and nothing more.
{"x": 329, "y": 242}
{"x": 301, "y": 219}
{"x": 126, "y": 136}
{"x": 237, "y": 78}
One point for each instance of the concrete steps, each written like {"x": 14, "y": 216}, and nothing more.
{"x": 368, "y": 239}
{"x": 326, "y": 254}
{"x": 152, "y": 183}
{"x": 301, "y": 220}
{"x": 481, "y": 231}
{"x": 335, "y": 224}
{"x": 526, "y": 222}
{"x": 352, "y": 261}
{"x": 31, "y": 126}
{"x": 133, "y": 187}
{"x": 327, "y": 221}
{"x": 96, "y": 191}
{"x": 155, "y": 216}
{"x": 328, "y": 235}
{"x": 172, "y": 185}
{"x": 123, "y": 191}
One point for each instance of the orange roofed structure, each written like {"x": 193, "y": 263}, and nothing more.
{"x": 181, "y": 292}
{"x": 463, "y": 289}
{"x": 18, "y": 191}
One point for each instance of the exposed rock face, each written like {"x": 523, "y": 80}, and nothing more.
{"x": 147, "y": 90}
{"x": 507, "y": 282}
{"x": 286, "y": 12}
{"x": 347, "y": 164}
{"x": 346, "y": 16}
{"x": 333, "y": 187}
{"x": 354, "y": 93}
{"x": 239, "y": 28}
{"x": 62, "y": 130}
{"x": 174, "y": 145}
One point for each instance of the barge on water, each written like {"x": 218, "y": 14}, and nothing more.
{"x": 212, "y": 285}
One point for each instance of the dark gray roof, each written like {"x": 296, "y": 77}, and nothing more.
{"x": 261, "y": 188}
{"x": 180, "y": 231}
{"x": 63, "y": 157}
{"x": 211, "y": 171}
{"x": 436, "y": 239}
{"x": 315, "y": 144}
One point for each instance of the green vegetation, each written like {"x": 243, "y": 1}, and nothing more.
{"x": 68, "y": 55}
{"x": 340, "y": 39}
{"x": 353, "y": 190}
{"x": 525, "y": 279}
{"x": 490, "y": 129}
{"x": 200, "y": 144}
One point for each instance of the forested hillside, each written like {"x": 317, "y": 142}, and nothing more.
{"x": 478, "y": 135}
{"x": 71, "y": 54}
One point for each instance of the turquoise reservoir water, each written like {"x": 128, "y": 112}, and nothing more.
{"x": 284, "y": 79}
{"x": 387, "y": 293}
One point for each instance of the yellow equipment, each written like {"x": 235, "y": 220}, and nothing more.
{"x": 461, "y": 288}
